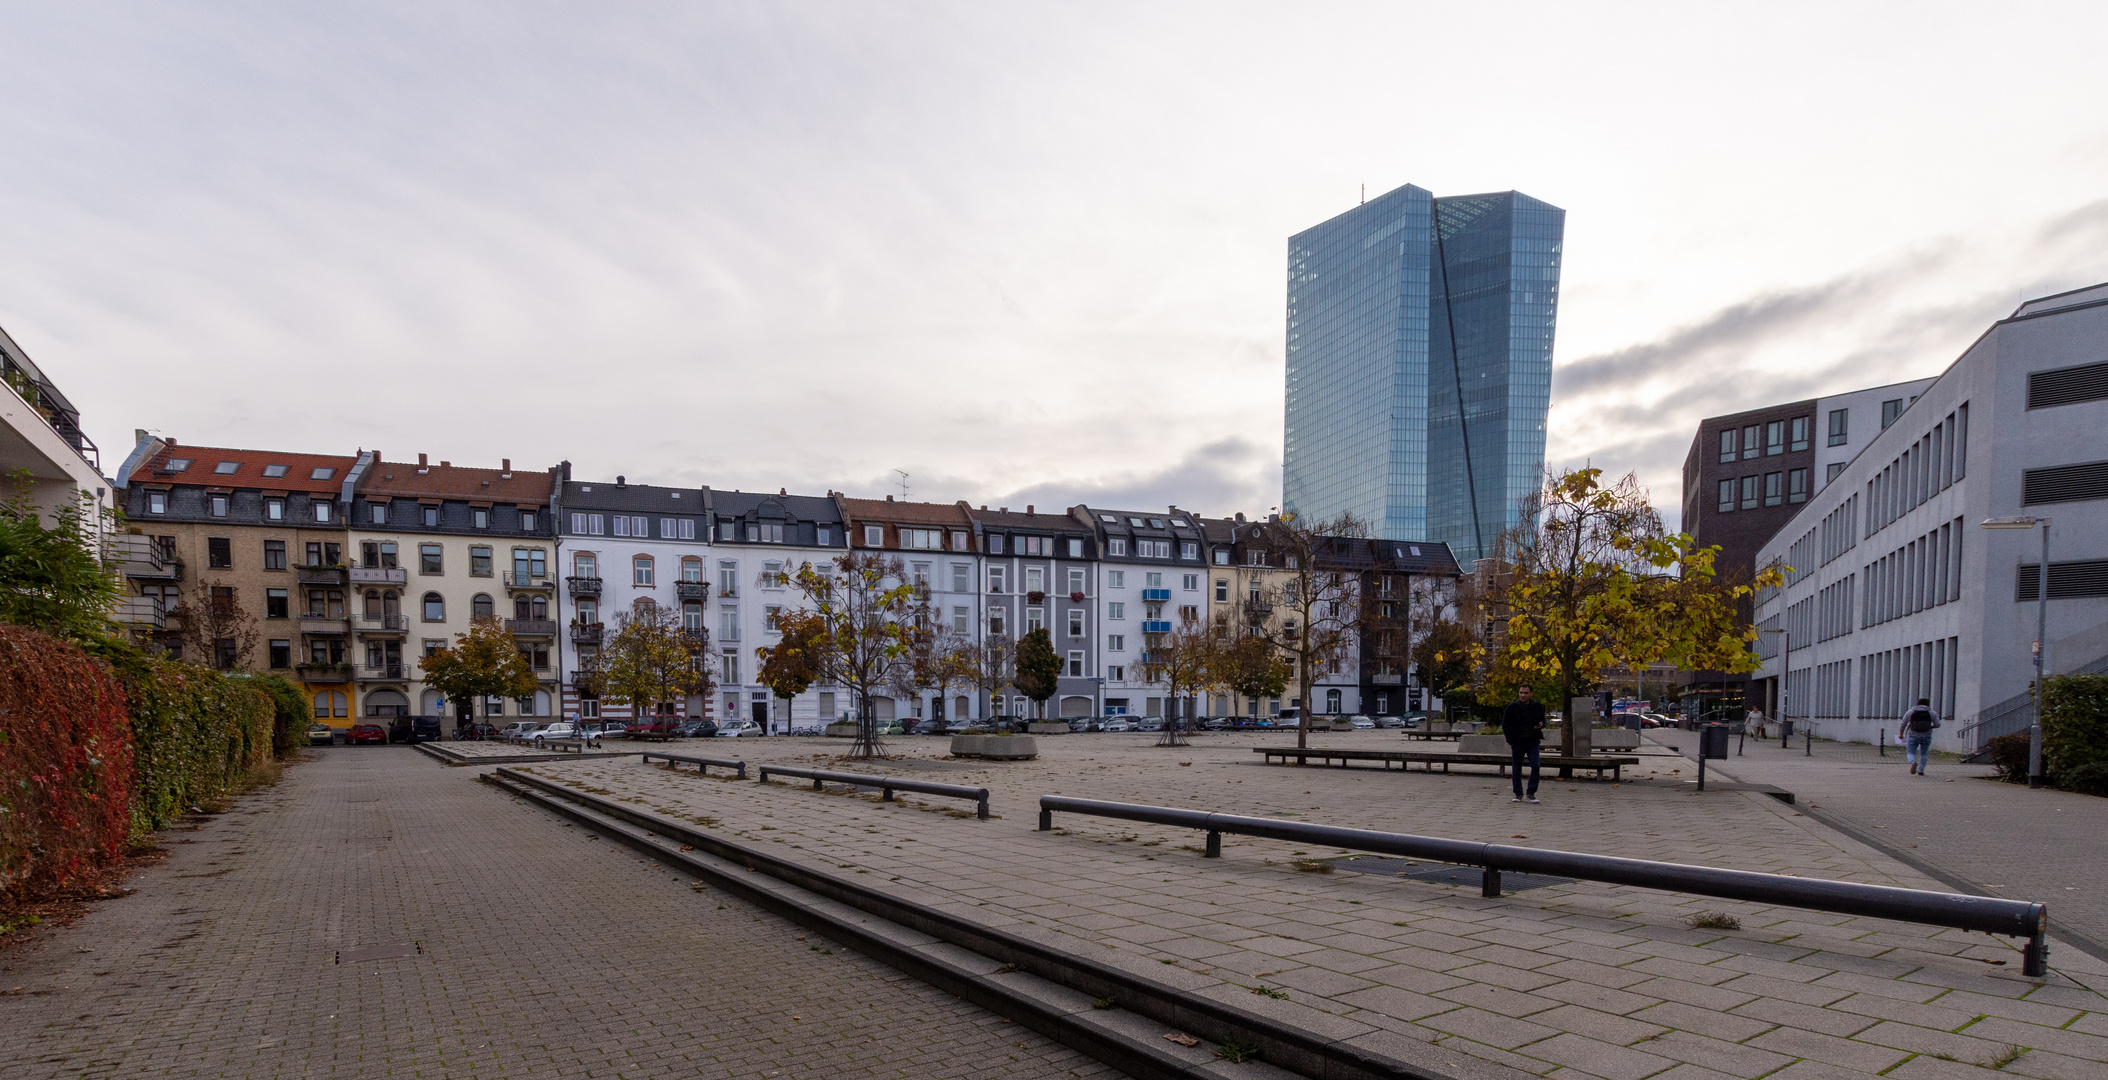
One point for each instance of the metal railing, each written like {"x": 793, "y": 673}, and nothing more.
{"x": 584, "y": 586}
{"x": 585, "y": 634}
{"x": 389, "y": 623}
{"x": 531, "y": 627}
{"x": 1992, "y": 915}
{"x": 701, "y": 763}
{"x": 2014, "y": 714}
{"x": 887, "y": 785}
{"x": 516, "y": 580}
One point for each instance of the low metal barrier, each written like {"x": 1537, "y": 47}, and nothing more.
{"x": 1992, "y": 915}
{"x": 886, "y": 784}
{"x": 575, "y": 746}
{"x": 702, "y": 764}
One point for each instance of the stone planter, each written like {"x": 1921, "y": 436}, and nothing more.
{"x": 1482, "y": 744}
{"x": 1342, "y": 725}
{"x": 995, "y": 747}
{"x": 1049, "y": 727}
{"x": 846, "y": 731}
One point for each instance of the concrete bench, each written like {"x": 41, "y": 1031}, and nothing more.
{"x": 1405, "y": 758}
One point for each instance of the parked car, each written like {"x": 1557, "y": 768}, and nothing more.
{"x": 1361, "y": 723}
{"x": 1390, "y": 722}
{"x": 739, "y": 729}
{"x": 413, "y": 729}
{"x": 1117, "y": 723}
{"x": 562, "y": 729}
{"x": 362, "y": 734}
{"x": 657, "y": 729}
{"x": 698, "y": 729}
{"x": 477, "y": 730}
{"x": 1215, "y": 723}
{"x": 612, "y": 731}
{"x": 519, "y": 729}
{"x": 320, "y": 734}
{"x": 1149, "y": 723}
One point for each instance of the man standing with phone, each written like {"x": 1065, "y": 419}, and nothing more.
{"x": 1522, "y": 723}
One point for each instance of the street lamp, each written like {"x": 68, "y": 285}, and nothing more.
{"x": 2034, "y": 733}
{"x": 1785, "y": 696}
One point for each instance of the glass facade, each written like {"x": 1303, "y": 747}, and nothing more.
{"x": 1419, "y": 364}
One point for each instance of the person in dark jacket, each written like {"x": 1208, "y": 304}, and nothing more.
{"x": 1522, "y": 723}
{"x": 1917, "y": 734}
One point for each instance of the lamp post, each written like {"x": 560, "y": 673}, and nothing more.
{"x": 1785, "y": 696}
{"x": 2034, "y": 733}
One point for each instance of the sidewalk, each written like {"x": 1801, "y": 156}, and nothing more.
{"x": 1997, "y": 839}
{"x": 543, "y": 953}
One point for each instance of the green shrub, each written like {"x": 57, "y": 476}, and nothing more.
{"x": 65, "y": 763}
{"x": 198, "y": 737}
{"x": 290, "y": 713}
{"x": 2009, "y": 753}
{"x": 2075, "y": 732}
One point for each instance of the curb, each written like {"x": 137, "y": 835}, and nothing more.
{"x": 828, "y": 904}
{"x": 449, "y": 757}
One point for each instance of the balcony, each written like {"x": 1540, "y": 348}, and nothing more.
{"x": 320, "y": 574}
{"x": 325, "y": 624}
{"x": 322, "y": 673}
{"x": 144, "y": 560}
{"x": 696, "y": 638}
{"x": 1160, "y": 596}
{"x": 584, "y": 586}
{"x": 531, "y": 627}
{"x": 379, "y": 575}
{"x": 142, "y": 612}
{"x": 383, "y": 673}
{"x": 585, "y": 633}
{"x": 529, "y": 581}
{"x": 1156, "y": 626}
{"x": 1258, "y": 611}
{"x": 582, "y": 679}
{"x": 1393, "y": 679}
{"x": 692, "y": 590}
{"x": 383, "y": 624}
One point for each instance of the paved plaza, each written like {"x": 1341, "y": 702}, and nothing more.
{"x": 544, "y": 952}
{"x": 1573, "y": 980}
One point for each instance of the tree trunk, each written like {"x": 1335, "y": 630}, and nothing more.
{"x": 867, "y": 744}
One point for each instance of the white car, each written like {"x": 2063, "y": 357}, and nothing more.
{"x": 735, "y": 729}
{"x": 519, "y": 729}
{"x": 562, "y": 729}
{"x": 1118, "y": 723}
{"x": 1361, "y": 723}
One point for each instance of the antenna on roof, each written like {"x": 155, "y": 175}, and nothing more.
{"x": 903, "y": 484}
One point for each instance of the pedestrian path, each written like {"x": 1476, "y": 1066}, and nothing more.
{"x": 376, "y": 915}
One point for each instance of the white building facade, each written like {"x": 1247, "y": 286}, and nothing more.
{"x": 623, "y": 545}
{"x": 757, "y": 542}
{"x": 1896, "y": 592}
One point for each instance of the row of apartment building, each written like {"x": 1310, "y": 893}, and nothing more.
{"x": 351, "y": 568}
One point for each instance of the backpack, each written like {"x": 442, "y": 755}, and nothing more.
{"x": 1920, "y": 719}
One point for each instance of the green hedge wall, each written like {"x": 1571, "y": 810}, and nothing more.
{"x": 197, "y": 736}
{"x": 2075, "y": 732}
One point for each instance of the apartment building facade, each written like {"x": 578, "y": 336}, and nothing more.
{"x": 758, "y": 541}
{"x": 1896, "y": 590}
{"x": 938, "y": 551}
{"x": 622, "y": 547}
{"x": 1038, "y": 570}
{"x": 1152, "y": 576}
{"x": 435, "y": 547}
{"x": 251, "y": 544}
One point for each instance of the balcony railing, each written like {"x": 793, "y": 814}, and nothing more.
{"x": 585, "y": 634}
{"x": 696, "y": 637}
{"x": 692, "y": 590}
{"x": 582, "y": 679}
{"x": 1393, "y": 679}
{"x": 1156, "y": 595}
{"x": 385, "y": 672}
{"x": 144, "y": 559}
{"x": 141, "y": 611}
{"x": 531, "y": 627}
{"x": 383, "y": 624}
{"x": 324, "y": 624}
{"x": 320, "y": 574}
{"x": 1156, "y": 626}
{"x": 530, "y": 580}
{"x": 584, "y": 586}
{"x": 379, "y": 575}
{"x": 323, "y": 673}
{"x": 1258, "y": 611}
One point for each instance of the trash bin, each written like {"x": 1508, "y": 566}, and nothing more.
{"x": 1712, "y": 742}
{"x": 1785, "y": 729}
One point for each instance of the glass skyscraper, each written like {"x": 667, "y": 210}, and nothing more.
{"x": 1420, "y": 364}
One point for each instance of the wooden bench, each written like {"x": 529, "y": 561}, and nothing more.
{"x": 1405, "y": 758}
{"x": 1411, "y": 733}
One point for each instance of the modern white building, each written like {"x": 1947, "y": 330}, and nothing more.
{"x": 1848, "y": 422}
{"x": 623, "y": 545}
{"x": 40, "y": 434}
{"x": 1897, "y": 592}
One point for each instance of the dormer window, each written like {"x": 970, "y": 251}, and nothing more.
{"x": 431, "y": 514}
{"x": 322, "y": 472}
{"x": 177, "y": 464}
{"x": 218, "y": 505}
{"x": 322, "y": 511}
{"x": 526, "y": 521}
{"x": 274, "y": 509}
{"x": 380, "y": 513}
{"x": 274, "y": 471}
{"x": 481, "y": 517}
{"x": 226, "y": 468}
{"x": 157, "y": 502}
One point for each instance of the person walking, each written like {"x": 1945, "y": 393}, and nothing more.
{"x": 1522, "y": 724}
{"x": 1917, "y": 734}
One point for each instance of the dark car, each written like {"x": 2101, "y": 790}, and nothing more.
{"x": 698, "y": 729}
{"x": 368, "y": 733}
{"x": 475, "y": 731}
{"x": 413, "y": 729}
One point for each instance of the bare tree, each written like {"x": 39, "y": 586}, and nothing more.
{"x": 990, "y": 666}
{"x": 867, "y": 623}
{"x": 217, "y": 631}
{"x": 1313, "y": 604}
{"x": 1181, "y": 660}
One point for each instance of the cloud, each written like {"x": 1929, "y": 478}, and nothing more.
{"x": 1230, "y": 475}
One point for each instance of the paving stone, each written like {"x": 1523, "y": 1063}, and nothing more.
{"x": 1597, "y": 1058}
{"x": 1828, "y": 1049}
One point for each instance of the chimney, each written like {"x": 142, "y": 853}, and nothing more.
{"x": 446, "y": 464}
{"x": 421, "y": 463}
{"x": 1028, "y": 508}
{"x": 783, "y": 493}
{"x": 506, "y": 468}
{"x": 984, "y": 508}
{"x": 621, "y": 481}
{"x": 1240, "y": 515}
{"x": 889, "y": 498}
{"x": 566, "y": 467}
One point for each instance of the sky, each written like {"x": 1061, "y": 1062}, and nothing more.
{"x": 1023, "y": 253}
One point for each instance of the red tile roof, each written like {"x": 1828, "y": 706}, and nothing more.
{"x": 529, "y": 487}
{"x": 299, "y": 472}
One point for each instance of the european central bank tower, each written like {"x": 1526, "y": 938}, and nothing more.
{"x": 1420, "y": 364}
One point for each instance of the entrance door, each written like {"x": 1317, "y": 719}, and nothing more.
{"x": 761, "y": 714}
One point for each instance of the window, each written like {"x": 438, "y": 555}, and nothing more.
{"x": 527, "y": 522}
{"x": 322, "y": 511}
{"x": 1153, "y": 581}
{"x": 281, "y": 651}
{"x": 1116, "y": 673}
{"x": 1773, "y": 496}
{"x": 962, "y": 577}
{"x": 1076, "y": 663}
{"x": 1222, "y": 556}
{"x": 1797, "y": 485}
{"x": 1075, "y": 579}
{"x": 1075, "y": 549}
{"x": 1890, "y": 410}
{"x": 275, "y": 604}
{"x": 1749, "y": 442}
{"x": 480, "y": 607}
{"x": 1153, "y": 549}
{"x": 641, "y": 571}
{"x": 922, "y": 539}
{"x": 1035, "y": 619}
{"x": 1797, "y": 437}
{"x": 388, "y": 554}
{"x": 919, "y": 576}
{"x": 995, "y": 545}
{"x": 431, "y": 516}
{"x": 960, "y": 616}
{"x": 435, "y": 608}
{"x": 1075, "y": 622}
{"x": 1830, "y": 472}
{"x": 1116, "y": 546}
{"x": 1116, "y": 610}
{"x": 274, "y": 509}
{"x": 1727, "y": 445}
{"x": 1116, "y": 579}
{"x": 479, "y": 517}
{"x": 479, "y": 561}
{"x": 1222, "y": 590}
{"x": 728, "y": 624}
{"x": 1840, "y": 426}
{"x": 1116, "y": 643}
{"x": 769, "y": 614}
{"x": 218, "y": 505}
{"x": 1775, "y": 437}
{"x": 585, "y": 565}
{"x": 995, "y": 579}
{"x": 692, "y": 570}
{"x": 727, "y": 579}
{"x": 1191, "y": 582}
{"x": 821, "y": 533}
{"x": 274, "y": 555}
{"x": 621, "y": 525}
{"x": 157, "y": 502}
{"x": 1749, "y": 492}
{"x": 1727, "y": 496}
{"x": 875, "y": 536}
{"x": 1035, "y": 579}
{"x": 219, "y": 553}
{"x": 692, "y": 615}
{"x": 996, "y": 621}
{"x": 1188, "y": 549}
{"x": 730, "y": 673}
{"x": 378, "y": 512}
{"x": 429, "y": 559}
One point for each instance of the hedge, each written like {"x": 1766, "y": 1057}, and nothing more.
{"x": 2075, "y": 732}
{"x": 289, "y": 724}
{"x": 197, "y": 737}
{"x": 65, "y": 763}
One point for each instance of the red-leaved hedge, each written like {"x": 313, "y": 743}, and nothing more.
{"x": 65, "y": 763}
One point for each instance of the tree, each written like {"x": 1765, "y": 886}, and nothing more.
{"x": 938, "y": 659}
{"x": 56, "y": 579}
{"x": 1317, "y": 607}
{"x": 1038, "y": 672}
{"x": 483, "y": 662}
{"x": 989, "y": 667}
{"x": 1248, "y": 666}
{"x": 649, "y": 660}
{"x": 217, "y": 631}
{"x": 1447, "y": 657}
{"x": 1590, "y": 580}
{"x": 1180, "y": 660}
{"x": 866, "y": 628}
{"x": 797, "y": 660}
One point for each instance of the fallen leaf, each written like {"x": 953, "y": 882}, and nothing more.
{"x": 1518, "y": 836}
{"x": 1181, "y": 1038}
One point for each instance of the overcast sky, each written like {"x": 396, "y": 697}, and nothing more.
{"x": 1022, "y": 252}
